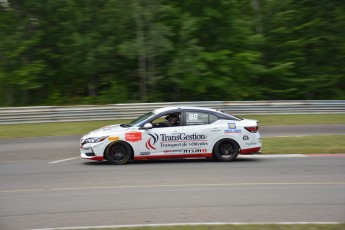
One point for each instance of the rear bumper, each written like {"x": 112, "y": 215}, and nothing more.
{"x": 256, "y": 150}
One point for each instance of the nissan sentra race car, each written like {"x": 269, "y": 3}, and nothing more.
{"x": 174, "y": 132}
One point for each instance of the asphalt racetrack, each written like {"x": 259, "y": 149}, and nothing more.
{"x": 44, "y": 184}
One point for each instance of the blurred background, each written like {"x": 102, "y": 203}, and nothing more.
{"x": 70, "y": 52}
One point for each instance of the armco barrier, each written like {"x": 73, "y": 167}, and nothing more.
{"x": 40, "y": 114}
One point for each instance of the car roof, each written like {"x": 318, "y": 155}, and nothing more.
{"x": 165, "y": 109}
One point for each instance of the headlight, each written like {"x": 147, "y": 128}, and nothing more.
{"x": 93, "y": 140}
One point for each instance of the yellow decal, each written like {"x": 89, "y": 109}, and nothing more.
{"x": 113, "y": 138}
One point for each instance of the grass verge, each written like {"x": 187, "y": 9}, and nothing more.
{"x": 298, "y": 119}
{"x": 304, "y": 144}
{"x": 79, "y": 128}
{"x": 53, "y": 128}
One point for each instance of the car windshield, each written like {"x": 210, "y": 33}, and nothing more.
{"x": 140, "y": 119}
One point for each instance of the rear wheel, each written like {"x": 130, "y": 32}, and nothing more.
{"x": 226, "y": 150}
{"x": 118, "y": 153}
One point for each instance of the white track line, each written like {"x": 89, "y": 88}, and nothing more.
{"x": 241, "y": 156}
{"x": 184, "y": 224}
{"x": 67, "y": 159}
{"x": 272, "y": 155}
{"x": 183, "y": 186}
{"x": 175, "y": 185}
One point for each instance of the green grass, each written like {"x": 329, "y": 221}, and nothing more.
{"x": 241, "y": 227}
{"x": 53, "y": 129}
{"x": 79, "y": 128}
{"x": 298, "y": 119}
{"x": 304, "y": 144}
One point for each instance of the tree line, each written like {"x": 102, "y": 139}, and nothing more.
{"x": 118, "y": 51}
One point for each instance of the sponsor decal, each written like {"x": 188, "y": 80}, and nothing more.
{"x": 232, "y": 125}
{"x": 251, "y": 143}
{"x": 154, "y": 138}
{"x": 197, "y": 143}
{"x": 229, "y": 131}
{"x": 169, "y": 145}
{"x": 144, "y": 153}
{"x": 113, "y": 138}
{"x": 183, "y": 144}
{"x": 173, "y": 151}
{"x": 134, "y": 136}
{"x": 183, "y": 137}
{"x": 193, "y": 139}
{"x": 245, "y": 138}
{"x": 195, "y": 151}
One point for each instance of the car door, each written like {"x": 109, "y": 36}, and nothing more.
{"x": 200, "y": 131}
{"x": 161, "y": 141}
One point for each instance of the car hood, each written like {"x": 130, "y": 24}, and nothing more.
{"x": 106, "y": 130}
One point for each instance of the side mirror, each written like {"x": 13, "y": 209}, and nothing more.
{"x": 147, "y": 126}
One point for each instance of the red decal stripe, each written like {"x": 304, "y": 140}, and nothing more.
{"x": 173, "y": 156}
{"x": 96, "y": 158}
{"x": 251, "y": 150}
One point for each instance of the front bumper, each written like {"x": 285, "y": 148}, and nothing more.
{"x": 87, "y": 152}
{"x": 96, "y": 158}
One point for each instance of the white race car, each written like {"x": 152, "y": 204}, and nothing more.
{"x": 174, "y": 132}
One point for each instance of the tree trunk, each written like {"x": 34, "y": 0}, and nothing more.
{"x": 258, "y": 18}
{"x": 141, "y": 52}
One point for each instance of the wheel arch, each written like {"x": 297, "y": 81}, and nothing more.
{"x": 122, "y": 143}
{"x": 225, "y": 139}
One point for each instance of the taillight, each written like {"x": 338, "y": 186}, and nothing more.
{"x": 252, "y": 129}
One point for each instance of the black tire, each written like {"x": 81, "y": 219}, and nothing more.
{"x": 226, "y": 150}
{"x": 118, "y": 153}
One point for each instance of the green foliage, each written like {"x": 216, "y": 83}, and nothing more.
{"x": 115, "y": 51}
{"x": 307, "y": 39}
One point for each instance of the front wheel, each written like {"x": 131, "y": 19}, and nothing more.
{"x": 118, "y": 154}
{"x": 226, "y": 150}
